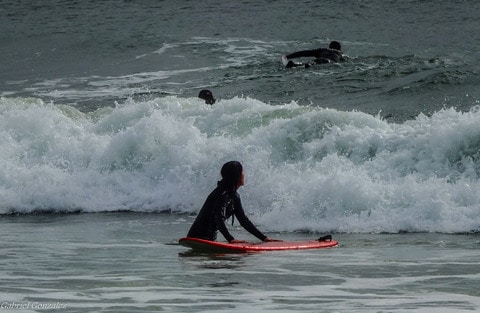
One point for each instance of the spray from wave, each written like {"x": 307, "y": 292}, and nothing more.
{"x": 307, "y": 168}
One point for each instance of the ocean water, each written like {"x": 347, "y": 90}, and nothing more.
{"x": 111, "y": 262}
{"x": 107, "y": 154}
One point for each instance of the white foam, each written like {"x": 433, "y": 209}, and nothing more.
{"x": 306, "y": 168}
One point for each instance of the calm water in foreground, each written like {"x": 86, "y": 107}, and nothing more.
{"x": 127, "y": 262}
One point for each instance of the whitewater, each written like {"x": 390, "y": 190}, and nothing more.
{"x": 307, "y": 168}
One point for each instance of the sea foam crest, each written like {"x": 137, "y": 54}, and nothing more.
{"x": 307, "y": 168}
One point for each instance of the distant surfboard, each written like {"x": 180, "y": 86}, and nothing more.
{"x": 202, "y": 245}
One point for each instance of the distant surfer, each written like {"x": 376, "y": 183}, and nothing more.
{"x": 207, "y": 95}
{"x": 322, "y": 55}
{"x": 223, "y": 203}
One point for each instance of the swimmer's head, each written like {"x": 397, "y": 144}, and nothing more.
{"x": 207, "y": 95}
{"x": 335, "y": 45}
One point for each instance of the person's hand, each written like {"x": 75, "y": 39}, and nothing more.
{"x": 238, "y": 241}
{"x": 272, "y": 240}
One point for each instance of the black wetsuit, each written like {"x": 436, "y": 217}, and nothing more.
{"x": 218, "y": 207}
{"x": 321, "y": 55}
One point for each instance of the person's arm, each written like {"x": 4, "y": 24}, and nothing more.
{"x": 303, "y": 54}
{"x": 245, "y": 222}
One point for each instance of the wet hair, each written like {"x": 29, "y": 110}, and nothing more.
{"x": 335, "y": 45}
{"x": 207, "y": 95}
{"x": 231, "y": 173}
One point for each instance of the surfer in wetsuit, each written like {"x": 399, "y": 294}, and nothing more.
{"x": 322, "y": 55}
{"x": 223, "y": 203}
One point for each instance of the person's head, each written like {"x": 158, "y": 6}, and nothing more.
{"x": 335, "y": 45}
{"x": 207, "y": 95}
{"x": 232, "y": 175}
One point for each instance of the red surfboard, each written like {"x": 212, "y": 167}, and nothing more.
{"x": 203, "y": 245}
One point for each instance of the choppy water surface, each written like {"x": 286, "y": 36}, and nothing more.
{"x": 124, "y": 261}
{"x": 99, "y": 114}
